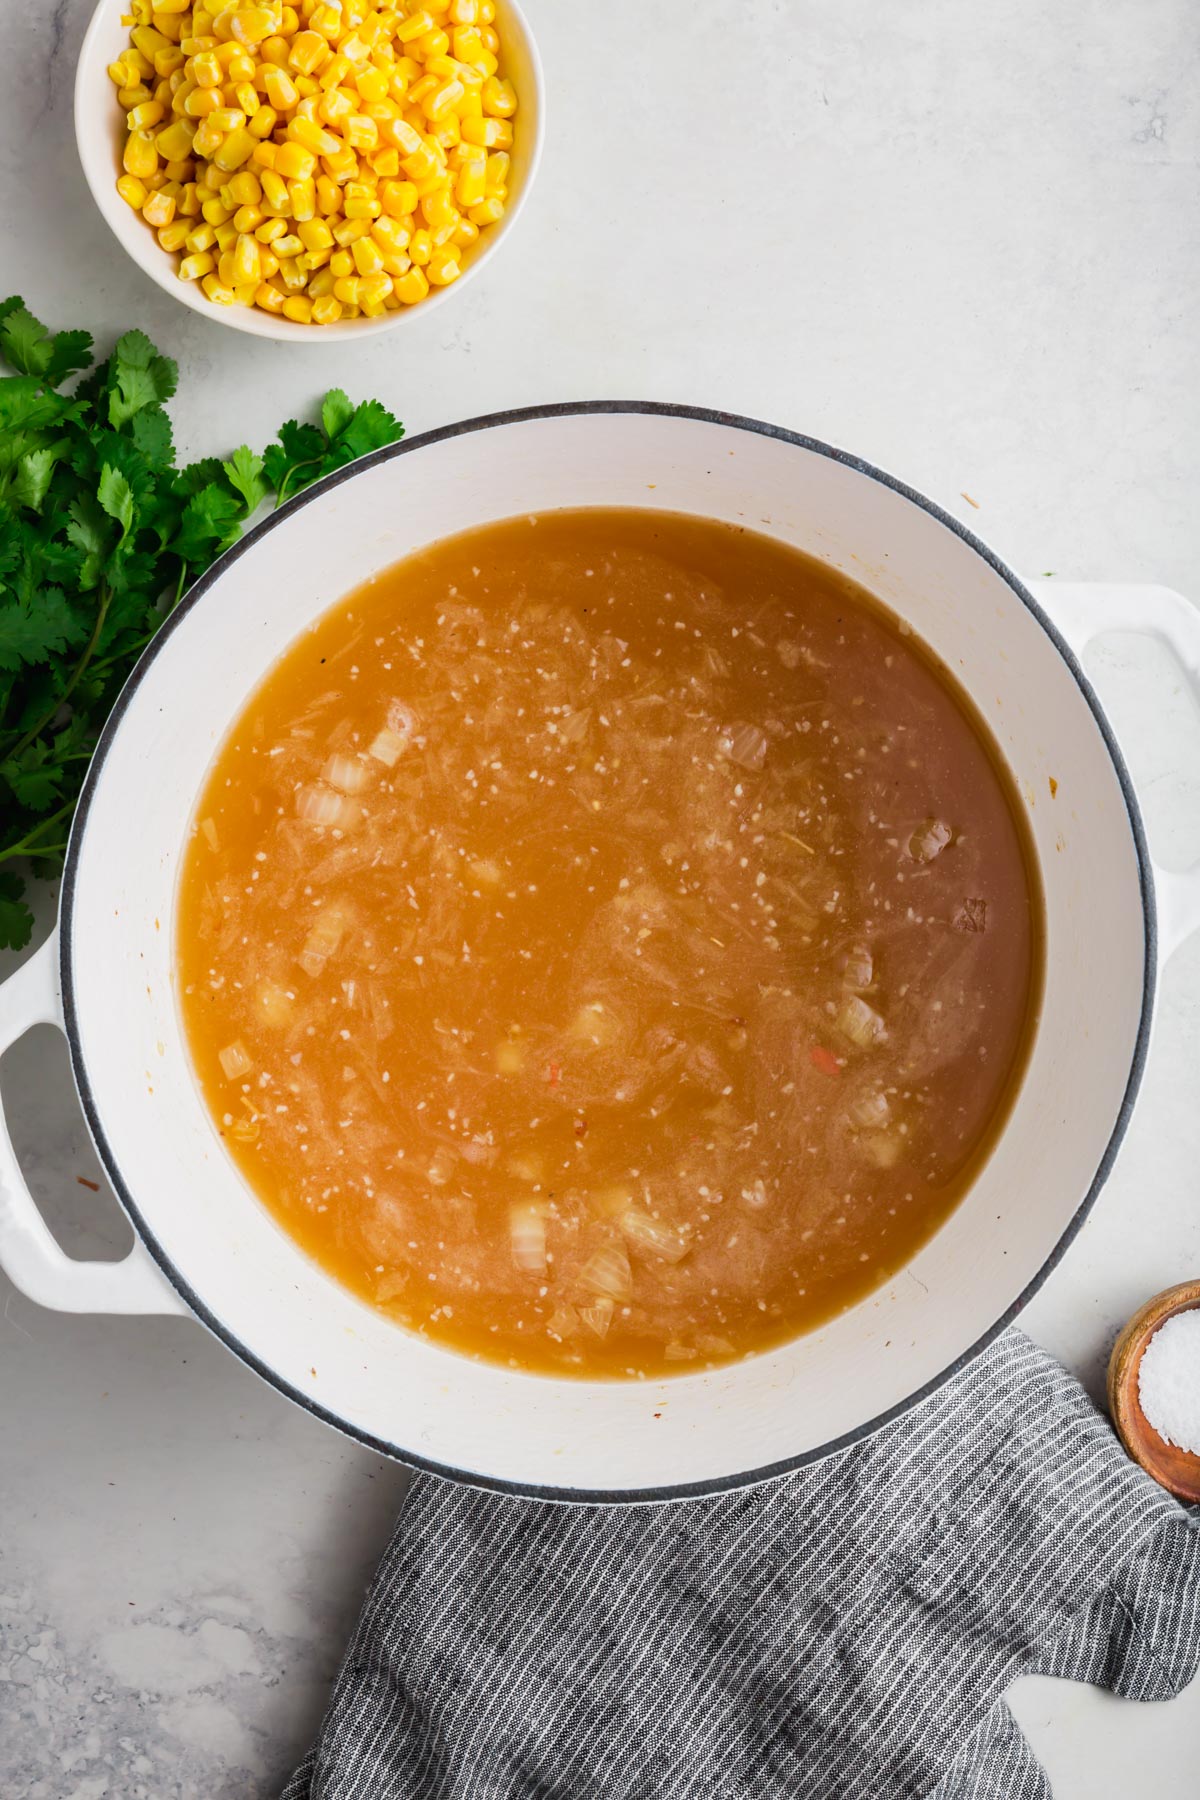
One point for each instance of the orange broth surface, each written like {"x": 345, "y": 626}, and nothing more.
{"x": 609, "y": 943}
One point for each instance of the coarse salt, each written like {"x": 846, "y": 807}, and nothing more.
{"x": 1169, "y": 1381}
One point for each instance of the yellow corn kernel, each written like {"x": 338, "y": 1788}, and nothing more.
{"x": 288, "y": 246}
{"x": 175, "y": 140}
{"x": 308, "y": 50}
{"x": 341, "y": 263}
{"x": 201, "y": 237}
{"x": 238, "y": 146}
{"x": 443, "y": 99}
{"x": 268, "y": 263}
{"x": 294, "y": 162}
{"x": 334, "y": 72}
{"x": 193, "y": 267}
{"x": 134, "y": 96}
{"x": 121, "y": 75}
{"x": 315, "y": 234}
{"x": 206, "y": 70}
{"x": 464, "y": 12}
{"x": 246, "y": 98}
{"x": 499, "y": 98}
{"x": 361, "y": 204}
{"x": 227, "y": 119}
{"x": 471, "y": 186}
{"x": 311, "y": 261}
{"x": 391, "y": 235}
{"x": 308, "y": 87}
{"x": 336, "y": 106}
{"x": 411, "y": 287}
{"x": 329, "y": 195}
{"x": 368, "y": 259}
{"x": 269, "y": 298}
{"x": 200, "y": 102}
{"x": 264, "y": 122}
{"x": 432, "y": 43}
{"x": 158, "y": 210}
{"x": 289, "y": 21}
{"x": 299, "y": 308}
{"x": 348, "y": 231}
{"x": 216, "y": 290}
{"x": 241, "y": 67}
{"x": 291, "y": 278}
{"x": 418, "y": 91}
{"x": 493, "y": 134}
{"x": 385, "y": 163}
{"x": 180, "y": 169}
{"x": 372, "y": 85}
{"x": 488, "y": 212}
{"x": 188, "y": 204}
{"x": 247, "y": 218}
{"x": 168, "y": 62}
{"x": 313, "y": 137}
{"x": 399, "y": 198}
{"x": 498, "y": 164}
{"x": 141, "y": 118}
{"x": 264, "y": 156}
{"x": 438, "y": 208}
{"x": 469, "y": 48}
{"x": 279, "y": 88}
{"x": 420, "y": 248}
{"x": 326, "y": 310}
{"x": 415, "y": 26}
{"x": 140, "y": 156}
{"x": 321, "y": 282}
{"x": 208, "y": 139}
{"x": 132, "y": 191}
{"x": 361, "y": 132}
{"x": 343, "y": 166}
{"x": 271, "y": 230}
{"x": 490, "y": 39}
{"x": 226, "y": 235}
{"x": 225, "y": 274}
{"x": 246, "y": 265}
{"x": 443, "y": 266}
{"x": 275, "y": 193}
{"x": 246, "y": 188}
{"x": 275, "y": 50}
{"x": 328, "y": 21}
{"x": 346, "y": 289}
{"x": 252, "y": 24}
{"x": 303, "y": 196}
{"x": 373, "y": 290}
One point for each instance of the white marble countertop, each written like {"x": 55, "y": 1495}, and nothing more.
{"x": 958, "y": 238}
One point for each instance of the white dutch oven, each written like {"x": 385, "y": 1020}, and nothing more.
{"x": 206, "y": 1246}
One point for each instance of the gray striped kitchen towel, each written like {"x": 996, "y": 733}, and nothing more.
{"x": 847, "y": 1631}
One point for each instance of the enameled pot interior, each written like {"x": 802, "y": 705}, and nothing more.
{"x": 327, "y": 1349}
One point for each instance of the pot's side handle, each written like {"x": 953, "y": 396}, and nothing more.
{"x": 1085, "y": 610}
{"x": 29, "y": 1255}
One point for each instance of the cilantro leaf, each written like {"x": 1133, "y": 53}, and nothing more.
{"x": 26, "y": 345}
{"x": 33, "y": 779}
{"x": 34, "y": 635}
{"x": 150, "y": 431}
{"x": 31, "y": 483}
{"x": 140, "y": 377}
{"x": 211, "y": 521}
{"x": 88, "y": 532}
{"x": 336, "y": 412}
{"x": 244, "y": 470}
{"x": 298, "y": 447}
{"x": 16, "y": 920}
{"x": 369, "y": 428}
{"x": 116, "y": 497}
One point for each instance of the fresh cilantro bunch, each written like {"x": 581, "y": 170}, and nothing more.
{"x": 100, "y": 534}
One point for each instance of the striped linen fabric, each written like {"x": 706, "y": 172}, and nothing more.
{"x": 846, "y": 1631}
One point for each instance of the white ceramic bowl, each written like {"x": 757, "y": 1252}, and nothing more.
{"x": 206, "y": 1245}
{"x": 100, "y": 136}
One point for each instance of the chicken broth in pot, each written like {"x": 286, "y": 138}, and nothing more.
{"x": 609, "y": 943}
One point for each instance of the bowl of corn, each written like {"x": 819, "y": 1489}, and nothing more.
{"x": 303, "y": 171}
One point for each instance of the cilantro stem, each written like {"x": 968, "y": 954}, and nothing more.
{"x": 26, "y": 846}
{"x": 311, "y": 462}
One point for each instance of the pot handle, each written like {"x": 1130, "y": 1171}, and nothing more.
{"x": 1084, "y": 610}
{"x": 29, "y": 1255}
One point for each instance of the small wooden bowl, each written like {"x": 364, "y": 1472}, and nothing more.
{"x": 1177, "y": 1470}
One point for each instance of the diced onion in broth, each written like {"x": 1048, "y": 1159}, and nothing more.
{"x": 607, "y": 1272}
{"x": 317, "y": 804}
{"x": 652, "y": 1236}
{"x": 527, "y": 1237}
{"x": 861, "y": 1023}
{"x": 234, "y": 1060}
{"x": 346, "y": 773}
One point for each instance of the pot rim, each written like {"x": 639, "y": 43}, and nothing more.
{"x": 412, "y": 1458}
